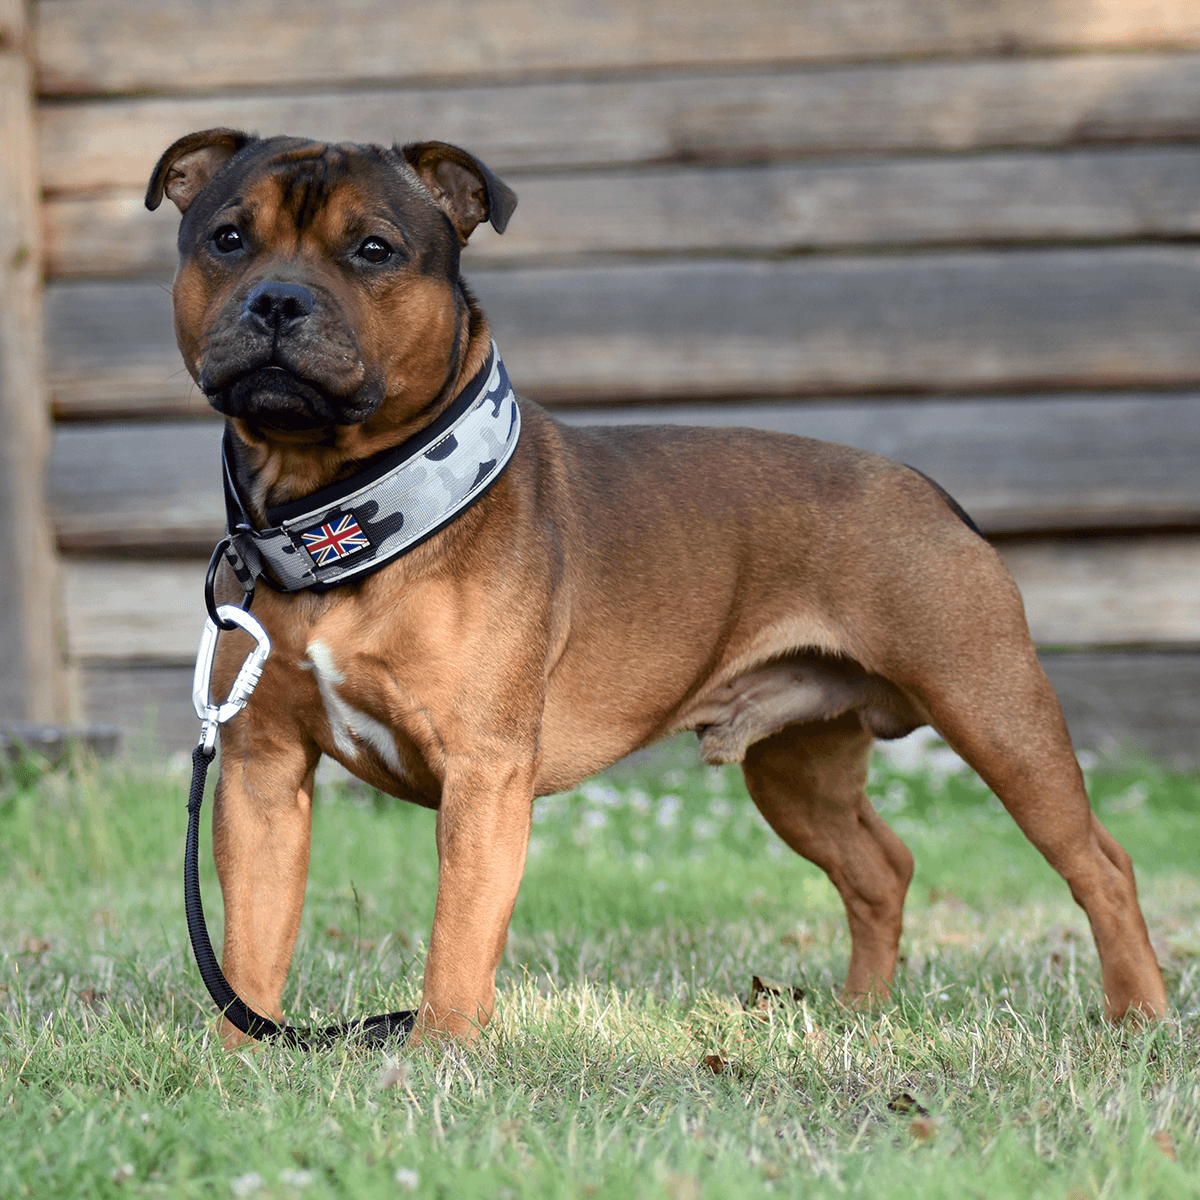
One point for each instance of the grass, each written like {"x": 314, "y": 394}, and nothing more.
{"x": 651, "y": 898}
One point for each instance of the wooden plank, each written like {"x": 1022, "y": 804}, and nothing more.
{"x": 1139, "y": 701}
{"x": 1089, "y": 591}
{"x": 149, "y": 612}
{"x": 1111, "y": 317}
{"x": 123, "y": 486}
{"x": 88, "y": 46}
{"x": 32, "y": 682}
{"x": 1009, "y": 198}
{"x": 767, "y": 113}
{"x": 1016, "y": 464}
{"x": 150, "y": 703}
{"x": 1118, "y": 702}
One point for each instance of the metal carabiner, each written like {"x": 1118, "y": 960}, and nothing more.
{"x": 213, "y": 715}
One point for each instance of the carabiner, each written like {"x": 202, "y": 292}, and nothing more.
{"x": 212, "y": 715}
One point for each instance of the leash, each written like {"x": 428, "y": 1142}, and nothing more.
{"x": 236, "y": 1011}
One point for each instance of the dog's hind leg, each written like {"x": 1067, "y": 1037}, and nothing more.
{"x": 808, "y": 782}
{"x": 1002, "y": 716}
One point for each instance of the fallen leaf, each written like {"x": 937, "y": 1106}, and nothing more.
{"x": 922, "y": 1129}
{"x": 333, "y": 931}
{"x": 89, "y": 996}
{"x": 801, "y": 938}
{"x": 763, "y": 991}
{"x": 1162, "y": 1139}
{"x": 904, "y": 1104}
{"x": 720, "y": 1065}
{"x": 34, "y": 945}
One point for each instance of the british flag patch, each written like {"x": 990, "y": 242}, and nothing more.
{"x": 335, "y": 539}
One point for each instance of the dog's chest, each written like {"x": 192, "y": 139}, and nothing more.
{"x": 371, "y": 744}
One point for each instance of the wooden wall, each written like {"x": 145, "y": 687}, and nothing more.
{"x": 966, "y": 235}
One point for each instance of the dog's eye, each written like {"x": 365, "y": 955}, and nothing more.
{"x": 375, "y": 250}
{"x": 227, "y": 239}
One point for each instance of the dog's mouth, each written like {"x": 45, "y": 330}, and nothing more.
{"x": 276, "y": 399}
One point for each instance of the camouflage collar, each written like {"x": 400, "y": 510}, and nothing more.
{"x": 349, "y": 530}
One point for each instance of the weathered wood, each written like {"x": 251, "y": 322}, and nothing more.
{"x": 149, "y": 612}
{"x": 1008, "y": 198}
{"x": 151, "y": 705}
{"x": 1112, "y": 317}
{"x": 767, "y": 113}
{"x": 1132, "y": 701}
{"x": 1147, "y": 703}
{"x": 1090, "y": 591}
{"x": 123, "y": 486}
{"x": 88, "y": 46}
{"x": 1016, "y": 464}
{"x": 1083, "y": 592}
{"x": 32, "y": 682}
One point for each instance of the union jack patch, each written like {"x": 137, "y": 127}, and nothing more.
{"x": 335, "y": 539}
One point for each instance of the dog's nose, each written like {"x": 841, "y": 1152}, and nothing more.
{"x": 274, "y": 304}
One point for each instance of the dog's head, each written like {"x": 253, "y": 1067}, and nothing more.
{"x": 318, "y": 285}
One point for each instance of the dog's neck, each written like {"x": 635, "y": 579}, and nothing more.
{"x": 277, "y": 467}
{"x": 392, "y": 504}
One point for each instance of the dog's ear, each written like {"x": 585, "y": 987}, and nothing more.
{"x": 190, "y": 163}
{"x": 465, "y": 190}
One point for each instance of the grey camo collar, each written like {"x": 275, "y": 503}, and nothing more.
{"x": 348, "y": 530}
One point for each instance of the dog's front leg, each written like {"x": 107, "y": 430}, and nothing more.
{"x": 262, "y": 822}
{"x": 482, "y": 839}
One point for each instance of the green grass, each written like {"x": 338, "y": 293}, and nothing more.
{"x": 651, "y": 898}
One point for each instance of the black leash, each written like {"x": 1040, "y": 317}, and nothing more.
{"x": 386, "y": 1026}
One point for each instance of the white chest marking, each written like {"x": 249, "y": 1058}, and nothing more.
{"x": 348, "y": 725}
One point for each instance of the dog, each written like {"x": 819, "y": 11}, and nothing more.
{"x": 789, "y": 600}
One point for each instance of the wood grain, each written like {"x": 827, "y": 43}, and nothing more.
{"x": 1110, "y": 316}
{"x": 1077, "y": 593}
{"x": 1131, "y": 702}
{"x": 1115, "y": 702}
{"x": 1027, "y": 464}
{"x": 695, "y": 116}
{"x": 1007, "y": 198}
{"x": 90, "y": 46}
{"x": 32, "y": 682}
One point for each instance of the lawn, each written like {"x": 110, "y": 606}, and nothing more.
{"x": 628, "y": 1057}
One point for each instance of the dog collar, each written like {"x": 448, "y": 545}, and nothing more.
{"x": 346, "y": 531}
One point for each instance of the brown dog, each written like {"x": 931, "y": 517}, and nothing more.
{"x": 786, "y": 598}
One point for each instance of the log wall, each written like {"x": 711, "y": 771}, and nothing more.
{"x": 963, "y": 235}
